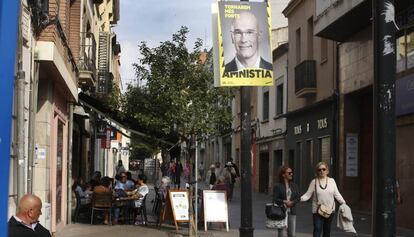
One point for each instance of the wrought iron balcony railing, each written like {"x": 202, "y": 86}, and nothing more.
{"x": 305, "y": 78}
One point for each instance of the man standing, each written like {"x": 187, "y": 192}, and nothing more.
{"x": 26, "y": 221}
{"x": 245, "y": 35}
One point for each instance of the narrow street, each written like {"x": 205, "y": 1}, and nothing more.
{"x": 304, "y": 223}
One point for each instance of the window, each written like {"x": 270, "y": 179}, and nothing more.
{"x": 279, "y": 99}
{"x": 325, "y": 149}
{"x": 324, "y": 49}
{"x": 298, "y": 46}
{"x": 265, "y": 106}
{"x": 405, "y": 50}
{"x": 310, "y": 38}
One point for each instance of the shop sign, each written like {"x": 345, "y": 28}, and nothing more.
{"x": 298, "y": 129}
{"x": 352, "y": 155}
{"x": 101, "y": 129}
{"x": 322, "y": 123}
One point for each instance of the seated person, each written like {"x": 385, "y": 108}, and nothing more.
{"x": 121, "y": 186}
{"x": 141, "y": 192}
{"x": 82, "y": 190}
{"x": 130, "y": 183}
{"x": 104, "y": 187}
{"x": 221, "y": 185}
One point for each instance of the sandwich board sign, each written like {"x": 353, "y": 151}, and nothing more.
{"x": 215, "y": 207}
{"x": 176, "y": 207}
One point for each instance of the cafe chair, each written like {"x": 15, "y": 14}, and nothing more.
{"x": 81, "y": 208}
{"x": 101, "y": 202}
{"x": 142, "y": 210}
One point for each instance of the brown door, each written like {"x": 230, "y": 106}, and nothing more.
{"x": 264, "y": 172}
{"x": 366, "y": 150}
{"x": 277, "y": 163}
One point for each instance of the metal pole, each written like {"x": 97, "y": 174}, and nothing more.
{"x": 20, "y": 131}
{"x": 8, "y": 40}
{"x": 384, "y": 119}
{"x": 246, "y": 229}
{"x": 196, "y": 187}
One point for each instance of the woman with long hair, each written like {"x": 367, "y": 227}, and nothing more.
{"x": 324, "y": 192}
{"x": 286, "y": 193}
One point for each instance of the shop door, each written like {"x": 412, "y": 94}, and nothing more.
{"x": 366, "y": 150}
{"x": 277, "y": 163}
{"x": 264, "y": 172}
{"x": 59, "y": 169}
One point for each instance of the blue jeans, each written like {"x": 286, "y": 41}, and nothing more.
{"x": 290, "y": 231}
{"x": 322, "y": 225}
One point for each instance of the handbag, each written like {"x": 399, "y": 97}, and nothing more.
{"x": 323, "y": 210}
{"x": 275, "y": 212}
{"x": 276, "y": 224}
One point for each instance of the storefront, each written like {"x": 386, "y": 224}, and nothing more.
{"x": 311, "y": 138}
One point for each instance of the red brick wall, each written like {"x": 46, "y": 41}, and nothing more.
{"x": 74, "y": 29}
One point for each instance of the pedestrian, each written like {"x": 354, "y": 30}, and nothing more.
{"x": 26, "y": 221}
{"x": 286, "y": 193}
{"x": 212, "y": 175}
{"x": 178, "y": 172}
{"x": 218, "y": 170}
{"x": 187, "y": 171}
{"x": 324, "y": 192}
{"x": 229, "y": 174}
{"x": 120, "y": 168}
{"x": 171, "y": 170}
{"x": 201, "y": 170}
{"x": 222, "y": 185}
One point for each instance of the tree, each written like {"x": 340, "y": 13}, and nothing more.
{"x": 177, "y": 92}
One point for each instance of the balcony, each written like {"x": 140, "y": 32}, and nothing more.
{"x": 339, "y": 19}
{"x": 104, "y": 84}
{"x": 305, "y": 78}
{"x": 87, "y": 60}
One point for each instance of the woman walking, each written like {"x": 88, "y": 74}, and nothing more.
{"x": 324, "y": 192}
{"x": 286, "y": 193}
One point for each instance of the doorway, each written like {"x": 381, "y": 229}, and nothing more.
{"x": 264, "y": 172}
{"x": 277, "y": 163}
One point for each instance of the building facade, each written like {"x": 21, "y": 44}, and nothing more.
{"x": 52, "y": 132}
{"x": 311, "y": 92}
{"x": 355, "y": 107}
{"x": 271, "y": 126}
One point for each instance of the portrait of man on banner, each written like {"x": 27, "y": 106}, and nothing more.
{"x": 244, "y": 39}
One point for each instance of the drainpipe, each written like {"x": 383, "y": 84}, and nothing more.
{"x": 69, "y": 164}
{"x": 32, "y": 121}
{"x": 19, "y": 110}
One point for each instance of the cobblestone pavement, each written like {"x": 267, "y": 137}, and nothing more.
{"x": 304, "y": 224}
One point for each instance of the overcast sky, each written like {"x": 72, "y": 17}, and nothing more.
{"x": 156, "y": 21}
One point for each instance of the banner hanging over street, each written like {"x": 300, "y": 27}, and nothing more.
{"x": 244, "y": 33}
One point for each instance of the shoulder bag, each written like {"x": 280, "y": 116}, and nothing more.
{"x": 275, "y": 212}
{"x": 323, "y": 210}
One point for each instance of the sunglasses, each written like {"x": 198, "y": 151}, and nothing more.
{"x": 322, "y": 169}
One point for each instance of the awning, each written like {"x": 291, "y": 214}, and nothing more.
{"x": 80, "y": 111}
{"x": 126, "y": 122}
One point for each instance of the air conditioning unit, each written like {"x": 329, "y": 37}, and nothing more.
{"x": 44, "y": 219}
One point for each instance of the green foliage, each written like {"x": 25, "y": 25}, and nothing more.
{"x": 176, "y": 92}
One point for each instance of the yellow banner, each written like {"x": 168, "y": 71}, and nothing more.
{"x": 244, "y": 39}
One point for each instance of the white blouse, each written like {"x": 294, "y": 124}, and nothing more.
{"x": 326, "y": 196}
